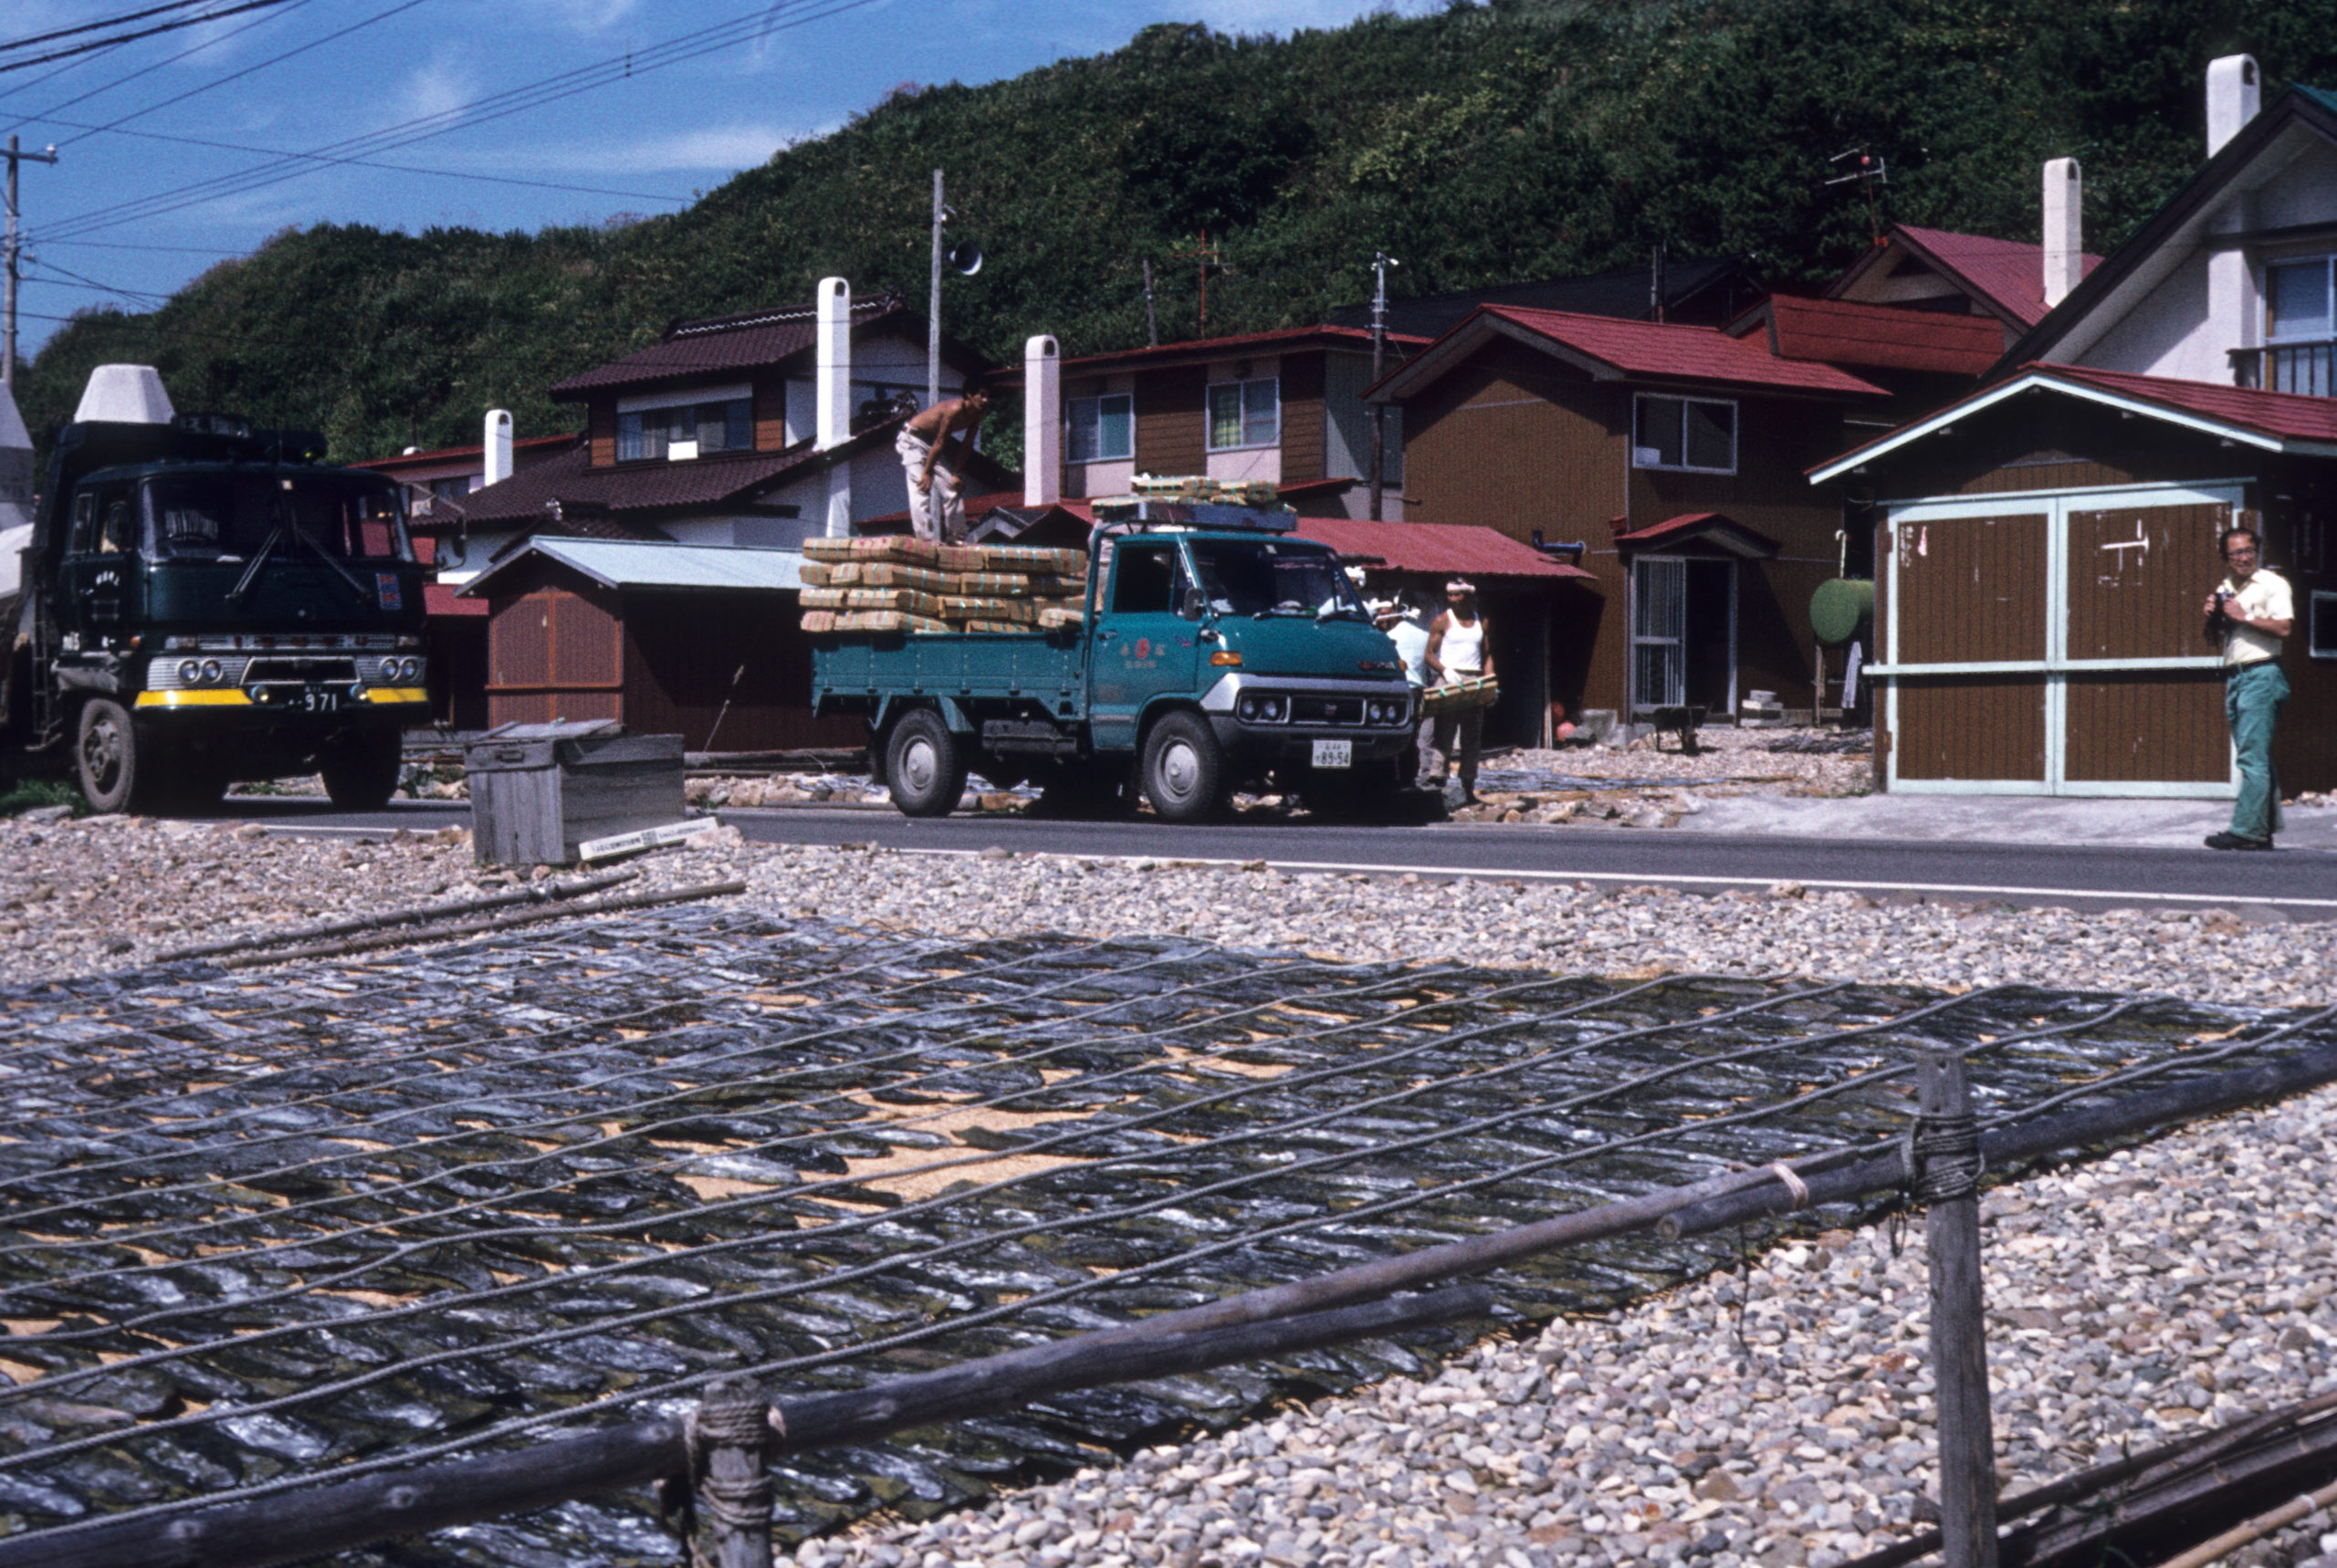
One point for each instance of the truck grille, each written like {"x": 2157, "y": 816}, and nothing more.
{"x": 332, "y": 670}
{"x": 1326, "y": 710}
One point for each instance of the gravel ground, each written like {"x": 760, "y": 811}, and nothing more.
{"x": 109, "y": 892}
{"x": 1780, "y": 1417}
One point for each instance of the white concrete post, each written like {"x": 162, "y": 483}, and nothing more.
{"x": 498, "y": 442}
{"x": 834, "y": 360}
{"x": 2235, "y": 93}
{"x": 1041, "y": 422}
{"x": 2064, "y": 229}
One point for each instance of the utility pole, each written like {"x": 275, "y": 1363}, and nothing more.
{"x": 933, "y": 314}
{"x": 1381, "y": 262}
{"x": 1151, "y": 318}
{"x": 10, "y": 251}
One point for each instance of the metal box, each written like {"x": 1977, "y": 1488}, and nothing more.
{"x": 539, "y": 790}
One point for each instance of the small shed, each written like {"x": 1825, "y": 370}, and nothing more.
{"x": 700, "y": 640}
{"x": 2042, "y": 553}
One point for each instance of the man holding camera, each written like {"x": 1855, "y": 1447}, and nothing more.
{"x": 2250, "y": 611}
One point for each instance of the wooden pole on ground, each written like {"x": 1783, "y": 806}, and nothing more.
{"x": 1947, "y": 1174}
{"x": 732, "y": 1428}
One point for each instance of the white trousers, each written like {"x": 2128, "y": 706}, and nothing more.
{"x": 938, "y": 512}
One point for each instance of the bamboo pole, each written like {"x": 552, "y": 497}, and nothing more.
{"x": 2304, "y": 1506}
{"x": 476, "y": 927}
{"x": 538, "y": 892}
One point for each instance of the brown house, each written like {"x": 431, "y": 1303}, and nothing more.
{"x": 1671, "y": 459}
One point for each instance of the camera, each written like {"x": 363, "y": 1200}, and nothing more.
{"x": 2223, "y": 596}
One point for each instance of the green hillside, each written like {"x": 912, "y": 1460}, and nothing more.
{"x": 1482, "y": 144}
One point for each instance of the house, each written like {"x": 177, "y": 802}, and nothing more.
{"x": 1700, "y": 293}
{"x": 1285, "y": 407}
{"x": 1998, "y": 280}
{"x": 2046, "y": 541}
{"x": 1669, "y": 458}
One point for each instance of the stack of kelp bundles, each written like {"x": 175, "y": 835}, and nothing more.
{"x": 897, "y": 583}
{"x": 1452, "y": 696}
{"x": 1201, "y": 487}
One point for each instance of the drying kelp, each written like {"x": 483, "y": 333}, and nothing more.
{"x": 351, "y": 1215}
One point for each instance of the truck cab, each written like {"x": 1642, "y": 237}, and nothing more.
{"x": 203, "y": 602}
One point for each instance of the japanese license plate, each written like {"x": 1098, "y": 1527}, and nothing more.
{"x": 321, "y": 699}
{"x": 1334, "y": 754}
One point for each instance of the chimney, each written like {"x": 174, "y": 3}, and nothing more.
{"x": 498, "y": 446}
{"x": 832, "y": 385}
{"x": 124, "y": 394}
{"x": 2064, "y": 229}
{"x": 2235, "y": 93}
{"x": 1041, "y": 422}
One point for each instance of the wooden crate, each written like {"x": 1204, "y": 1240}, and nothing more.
{"x": 539, "y": 790}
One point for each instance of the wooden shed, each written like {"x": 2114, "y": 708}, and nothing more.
{"x": 664, "y": 637}
{"x": 2042, "y": 551}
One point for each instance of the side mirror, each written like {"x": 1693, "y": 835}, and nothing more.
{"x": 1196, "y": 604}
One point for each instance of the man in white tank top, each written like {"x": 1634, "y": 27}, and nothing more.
{"x": 1458, "y": 650}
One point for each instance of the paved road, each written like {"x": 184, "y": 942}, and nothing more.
{"x": 2300, "y": 883}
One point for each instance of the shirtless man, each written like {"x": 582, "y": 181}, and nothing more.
{"x": 937, "y": 511}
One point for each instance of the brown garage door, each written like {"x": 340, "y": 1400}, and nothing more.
{"x": 2135, "y": 577}
{"x": 1971, "y": 591}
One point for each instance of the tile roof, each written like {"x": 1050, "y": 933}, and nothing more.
{"x": 439, "y": 601}
{"x": 1649, "y": 349}
{"x": 1280, "y": 338}
{"x": 636, "y": 563}
{"x": 1619, "y": 291}
{"x": 449, "y": 453}
{"x": 570, "y": 479}
{"x": 722, "y": 344}
{"x": 2009, "y": 273}
{"x": 1878, "y": 337}
{"x": 1721, "y": 529}
{"x": 1460, "y": 548}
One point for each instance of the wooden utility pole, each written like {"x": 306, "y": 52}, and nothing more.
{"x": 933, "y": 312}
{"x": 10, "y": 249}
{"x": 1151, "y": 317}
{"x": 733, "y": 1430}
{"x": 1381, "y": 262}
{"x": 1948, "y": 1182}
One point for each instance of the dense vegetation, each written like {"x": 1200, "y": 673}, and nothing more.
{"x": 1484, "y": 143}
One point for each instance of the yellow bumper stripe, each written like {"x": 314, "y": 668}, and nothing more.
{"x": 396, "y": 694}
{"x": 229, "y": 698}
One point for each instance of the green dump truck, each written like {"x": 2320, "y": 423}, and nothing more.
{"x": 201, "y": 602}
{"x": 1216, "y": 650}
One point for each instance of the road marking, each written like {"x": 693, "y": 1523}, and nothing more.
{"x": 1646, "y": 878}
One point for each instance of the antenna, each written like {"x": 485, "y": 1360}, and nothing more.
{"x": 1205, "y": 253}
{"x": 1870, "y": 171}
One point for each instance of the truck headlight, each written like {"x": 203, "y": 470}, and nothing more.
{"x": 189, "y": 672}
{"x": 1272, "y": 710}
{"x": 211, "y": 671}
{"x": 412, "y": 670}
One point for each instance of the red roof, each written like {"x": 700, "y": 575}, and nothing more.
{"x": 1437, "y": 547}
{"x": 1245, "y": 343}
{"x": 2010, "y": 273}
{"x": 449, "y": 453}
{"x": 1657, "y": 350}
{"x": 439, "y": 599}
{"x": 2291, "y": 416}
{"x": 1724, "y": 530}
{"x": 723, "y": 344}
{"x": 1882, "y": 337}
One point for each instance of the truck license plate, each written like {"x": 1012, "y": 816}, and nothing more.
{"x": 1334, "y": 754}
{"x": 321, "y": 699}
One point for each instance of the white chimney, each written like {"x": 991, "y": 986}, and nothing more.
{"x": 1041, "y": 422}
{"x": 2235, "y": 93}
{"x": 2064, "y": 229}
{"x": 833, "y": 386}
{"x": 16, "y": 476}
{"x": 498, "y": 446}
{"x": 124, "y": 394}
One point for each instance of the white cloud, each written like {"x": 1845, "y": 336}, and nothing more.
{"x": 443, "y": 85}
{"x": 723, "y": 147}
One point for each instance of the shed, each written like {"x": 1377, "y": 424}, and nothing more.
{"x": 663, "y": 638}
{"x": 2042, "y": 554}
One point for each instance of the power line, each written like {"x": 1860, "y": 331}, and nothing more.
{"x": 117, "y": 41}
{"x": 227, "y": 36}
{"x": 549, "y": 90}
{"x": 108, "y": 22}
{"x": 129, "y": 244}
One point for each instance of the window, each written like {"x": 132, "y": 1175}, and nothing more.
{"x": 1147, "y": 580}
{"x": 230, "y": 518}
{"x": 1101, "y": 428}
{"x": 1274, "y": 577}
{"x": 1244, "y": 413}
{"x": 685, "y": 430}
{"x": 2295, "y": 301}
{"x": 455, "y": 488}
{"x": 1684, "y": 433}
{"x": 2321, "y": 632}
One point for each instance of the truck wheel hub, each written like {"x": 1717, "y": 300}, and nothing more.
{"x": 1181, "y": 769}
{"x": 918, "y": 766}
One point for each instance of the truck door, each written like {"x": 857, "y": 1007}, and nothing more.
{"x": 100, "y": 567}
{"x": 1142, "y": 648}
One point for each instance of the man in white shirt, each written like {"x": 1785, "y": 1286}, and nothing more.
{"x": 1407, "y": 627}
{"x": 2250, "y": 611}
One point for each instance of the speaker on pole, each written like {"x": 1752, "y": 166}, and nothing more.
{"x": 966, "y": 257}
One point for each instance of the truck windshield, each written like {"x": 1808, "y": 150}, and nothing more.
{"x": 1272, "y": 576}
{"x": 228, "y": 517}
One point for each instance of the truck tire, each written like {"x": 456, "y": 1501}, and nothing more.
{"x": 361, "y": 773}
{"x": 1184, "y": 770}
{"x": 925, "y": 767}
{"x": 110, "y": 759}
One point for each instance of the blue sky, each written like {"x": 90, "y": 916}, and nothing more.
{"x": 117, "y": 218}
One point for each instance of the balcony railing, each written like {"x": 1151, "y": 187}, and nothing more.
{"x": 2306, "y": 368}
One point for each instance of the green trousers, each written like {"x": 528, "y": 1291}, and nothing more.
{"x": 2253, "y": 697}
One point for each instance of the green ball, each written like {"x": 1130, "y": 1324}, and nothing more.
{"x": 1840, "y": 607}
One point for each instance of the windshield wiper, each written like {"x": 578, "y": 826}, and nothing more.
{"x": 260, "y": 559}
{"x": 323, "y": 555}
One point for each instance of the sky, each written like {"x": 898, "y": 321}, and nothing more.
{"x": 170, "y": 147}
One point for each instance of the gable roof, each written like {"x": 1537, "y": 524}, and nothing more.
{"x": 1281, "y": 339}
{"x": 1610, "y": 349}
{"x": 1713, "y": 529}
{"x": 754, "y": 340}
{"x": 1714, "y": 289}
{"x": 2144, "y": 260}
{"x": 405, "y": 460}
{"x": 1880, "y": 337}
{"x": 2269, "y": 421}
{"x": 1464, "y": 549}
{"x": 649, "y": 488}
{"x": 639, "y": 564}
{"x": 2004, "y": 276}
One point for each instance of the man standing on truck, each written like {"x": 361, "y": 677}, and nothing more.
{"x": 1458, "y": 650}
{"x": 937, "y": 510}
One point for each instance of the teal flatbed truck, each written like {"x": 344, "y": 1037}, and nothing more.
{"x": 1217, "y": 651}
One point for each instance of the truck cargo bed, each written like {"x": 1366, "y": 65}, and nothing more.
{"x": 1044, "y": 667}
